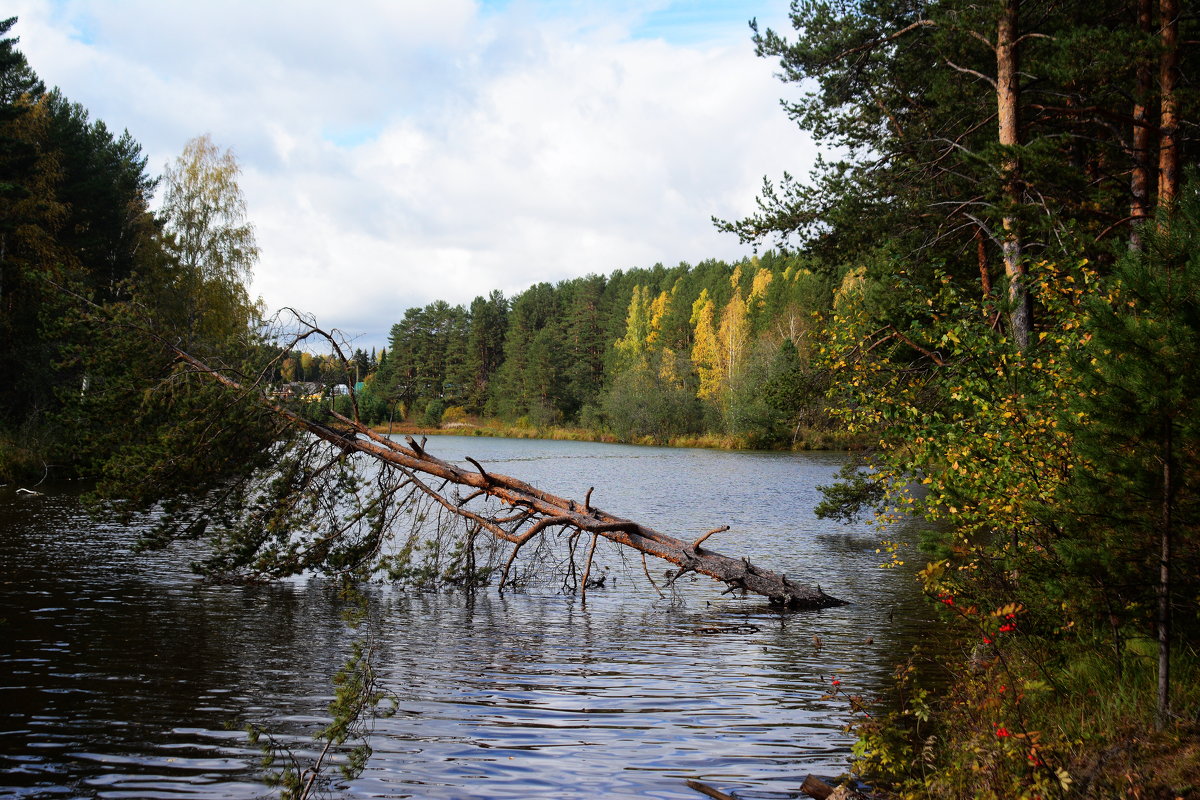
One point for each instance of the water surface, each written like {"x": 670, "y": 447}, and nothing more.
{"x": 122, "y": 676}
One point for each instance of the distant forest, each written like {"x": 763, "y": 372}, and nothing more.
{"x": 642, "y": 353}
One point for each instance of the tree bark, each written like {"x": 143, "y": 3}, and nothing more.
{"x": 1168, "y": 82}
{"x": 816, "y": 788}
{"x": 1164, "y": 580}
{"x": 1140, "y": 175}
{"x": 705, "y": 789}
{"x": 540, "y": 510}
{"x": 985, "y": 277}
{"x": 1008, "y": 93}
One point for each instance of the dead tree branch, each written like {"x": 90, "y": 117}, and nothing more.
{"x": 696, "y": 544}
{"x": 547, "y": 510}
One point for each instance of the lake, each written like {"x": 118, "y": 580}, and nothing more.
{"x": 121, "y": 675}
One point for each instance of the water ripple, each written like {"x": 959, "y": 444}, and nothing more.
{"x": 122, "y": 677}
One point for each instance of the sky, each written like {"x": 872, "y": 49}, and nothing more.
{"x": 396, "y": 152}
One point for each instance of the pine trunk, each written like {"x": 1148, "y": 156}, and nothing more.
{"x": 1168, "y": 80}
{"x": 1140, "y": 175}
{"x": 1008, "y": 93}
{"x": 1164, "y": 583}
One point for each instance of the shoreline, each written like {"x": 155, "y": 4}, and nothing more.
{"x": 819, "y": 441}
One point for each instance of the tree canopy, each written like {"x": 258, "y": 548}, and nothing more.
{"x": 80, "y": 248}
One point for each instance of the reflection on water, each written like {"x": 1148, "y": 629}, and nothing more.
{"x": 120, "y": 676}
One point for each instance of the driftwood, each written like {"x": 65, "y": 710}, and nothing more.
{"x": 816, "y": 788}
{"x": 533, "y": 511}
{"x": 820, "y": 790}
{"x": 813, "y": 787}
{"x": 705, "y": 789}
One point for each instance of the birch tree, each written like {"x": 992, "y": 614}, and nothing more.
{"x": 210, "y": 238}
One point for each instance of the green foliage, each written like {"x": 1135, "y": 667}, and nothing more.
{"x": 640, "y": 403}
{"x": 906, "y": 94}
{"x": 1135, "y": 427}
{"x": 21, "y": 456}
{"x": 211, "y": 244}
{"x": 1055, "y": 476}
{"x": 1049, "y": 476}
{"x": 855, "y": 494}
{"x": 433, "y": 413}
{"x": 433, "y": 564}
{"x": 358, "y": 700}
{"x": 427, "y": 356}
{"x": 485, "y": 347}
{"x": 620, "y": 353}
{"x": 1002, "y": 729}
{"x": 62, "y": 175}
{"x": 88, "y": 278}
{"x": 890, "y": 739}
{"x": 531, "y": 377}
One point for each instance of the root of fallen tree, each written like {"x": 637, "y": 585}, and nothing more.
{"x": 531, "y": 511}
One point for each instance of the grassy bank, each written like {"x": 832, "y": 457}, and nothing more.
{"x": 806, "y": 440}
{"x": 1024, "y": 720}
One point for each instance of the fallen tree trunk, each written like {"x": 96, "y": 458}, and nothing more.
{"x": 533, "y": 511}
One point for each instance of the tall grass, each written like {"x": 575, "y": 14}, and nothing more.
{"x": 1099, "y": 696}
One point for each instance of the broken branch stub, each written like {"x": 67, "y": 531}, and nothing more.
{"x": 541, "y": 510}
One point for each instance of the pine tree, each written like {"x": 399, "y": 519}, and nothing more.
{"x": 485, "y": 346}
{"x": 1133, "y": 511}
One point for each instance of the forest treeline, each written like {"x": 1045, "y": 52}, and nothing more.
{"x": 993, "y": 287}
{"x": 642, "y": 354}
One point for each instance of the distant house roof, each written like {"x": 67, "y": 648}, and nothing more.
{"x": 299, "y": 389}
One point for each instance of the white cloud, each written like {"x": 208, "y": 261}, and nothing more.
{"x": 396, "y": 153}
